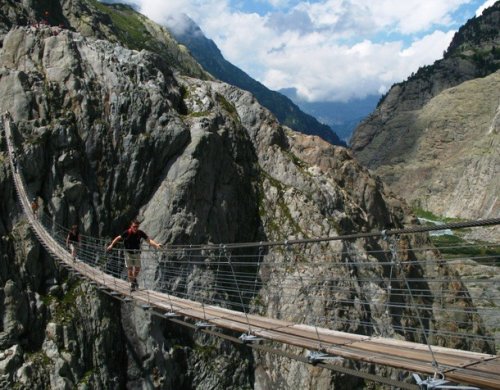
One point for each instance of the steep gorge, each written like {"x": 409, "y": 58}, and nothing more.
{"x": 105, "y": 134}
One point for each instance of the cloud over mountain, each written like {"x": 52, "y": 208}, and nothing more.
{"x": 329, "y": 49}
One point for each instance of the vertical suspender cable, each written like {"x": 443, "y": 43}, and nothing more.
{"x": 394, "y": 254}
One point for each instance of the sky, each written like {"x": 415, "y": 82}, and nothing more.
{"x": 328, "y": 50}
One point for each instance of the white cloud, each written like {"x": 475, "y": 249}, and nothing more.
{"x": 413, "y": 16}
{"x": 334, "y": 72}
{"x": 326, "y": 49}
{"x": 355, "y": 16}
{"x": 487, "y": 4}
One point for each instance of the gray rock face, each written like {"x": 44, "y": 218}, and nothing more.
{"x": 453, "y": 163}
{"x": 476, "y": 277}
{"x": 106, "y": 134}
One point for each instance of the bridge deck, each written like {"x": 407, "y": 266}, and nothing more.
{"x": 472, "y": 368}
{"x": 461, "y": 366}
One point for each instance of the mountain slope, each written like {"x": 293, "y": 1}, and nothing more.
{"x": 440, "y": 161}
{"x": 287, "y": 112}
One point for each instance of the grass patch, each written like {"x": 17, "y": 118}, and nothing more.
{"x": 296, "y": 161}
{"x": 86, "y": 377}
{"x": 40, "y": 359}
{"x": 226, "y": 105}
{"x": 421, "y": 213}
{"x": 455, "y": 247}
{"x": 129, "y": 28}
{"x": 199, "y": 114}
{"x": 66, "y": 308}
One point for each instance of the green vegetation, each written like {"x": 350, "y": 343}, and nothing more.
{"x": 40, "y": 359}
{"x": 65, "y": 307}
{"x": 206, "y": 352}
{"x": 47, "y": 299}
{"x": 86, "y": 377}
{"x": 128, "y": 27}
{"x": 230, "y": 108}
{"x": 224, "y": 103}
{"x": 257, "y": 305}
{"x": 133, "y": 31}
{"x": 274, "y": 225}
{"x": 297, "y": 161}
{"x": 454, "y": 246}
{"x": 421, "y": 213}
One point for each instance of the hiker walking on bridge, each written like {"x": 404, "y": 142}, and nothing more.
{"x": 73, "y": 240}
{"x": 132, "y": 241}
{"x": 34, "y": 207}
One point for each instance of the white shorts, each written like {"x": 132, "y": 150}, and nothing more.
{"x": 133, "y": 259}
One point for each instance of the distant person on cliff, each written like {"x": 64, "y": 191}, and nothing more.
{"x": 14, "y": 161}
{"x": 34, "y": 207}
{"x": 73, "y": 240}
{"x": 132, "y": 241}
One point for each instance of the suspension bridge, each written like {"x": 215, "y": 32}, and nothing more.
{"x": 230, "y": 287}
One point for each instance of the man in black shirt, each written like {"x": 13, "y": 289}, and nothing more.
{"x": 132, "y": 241}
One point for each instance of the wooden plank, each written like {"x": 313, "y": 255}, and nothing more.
{"x": 393, "y": 351}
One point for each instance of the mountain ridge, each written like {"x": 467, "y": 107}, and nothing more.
{"x": 395, "y": 141}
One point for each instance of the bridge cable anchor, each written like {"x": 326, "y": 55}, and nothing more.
{"x": 247, "y": 338}
{"x": 170, "y": 314}
{"x": 320, "y": 357}
{"x": 203, "y": 325}
{"x": 438, "y": 382}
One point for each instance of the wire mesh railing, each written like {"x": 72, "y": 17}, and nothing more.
{"x": 394, "y": 290}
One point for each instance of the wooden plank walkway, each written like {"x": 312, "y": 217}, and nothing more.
{"x": 470, "y": 368}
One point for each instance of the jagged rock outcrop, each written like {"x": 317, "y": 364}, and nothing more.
{"x": 105, "y": 134}
{"x": 434, "y": 138}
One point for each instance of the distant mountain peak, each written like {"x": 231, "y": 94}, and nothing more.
{"x": 206, "y": 52}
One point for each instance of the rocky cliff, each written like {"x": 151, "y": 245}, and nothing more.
{"x": 105, "y": 134}
{"x": 434, "y": 138}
